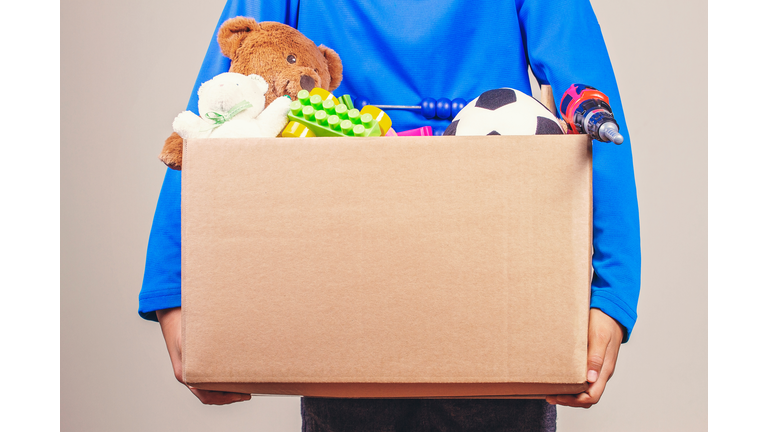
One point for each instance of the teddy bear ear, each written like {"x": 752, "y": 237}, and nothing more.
{"x": 233, "y": 32}
{"x": 334, "y": 66}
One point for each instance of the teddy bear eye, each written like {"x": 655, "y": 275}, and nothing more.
{"x": 291, "y": 59}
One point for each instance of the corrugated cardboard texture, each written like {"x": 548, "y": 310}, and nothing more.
{"x": 387, "y": 267}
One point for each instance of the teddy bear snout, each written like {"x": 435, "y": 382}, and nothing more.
{"x": 307, "y": 82}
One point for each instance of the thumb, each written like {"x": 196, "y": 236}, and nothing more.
{"x": 594, "y": 366}
{"x": 598, "y": 345}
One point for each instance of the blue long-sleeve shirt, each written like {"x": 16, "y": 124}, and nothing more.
{"x": 398, "y": 52}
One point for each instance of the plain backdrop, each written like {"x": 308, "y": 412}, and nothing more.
{"x": 127, "y": 69}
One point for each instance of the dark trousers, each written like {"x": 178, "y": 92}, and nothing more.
{"x": 427, "y": 415}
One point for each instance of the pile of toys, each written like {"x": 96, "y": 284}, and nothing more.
{"x": 233, "y": 105}
{"x": 248, "y": 103}
{"x": 504, "y": 111}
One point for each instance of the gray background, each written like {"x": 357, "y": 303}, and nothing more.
{"x": 127, "y": 69}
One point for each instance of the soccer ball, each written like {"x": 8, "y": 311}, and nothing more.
{"x": 504, "y": 111}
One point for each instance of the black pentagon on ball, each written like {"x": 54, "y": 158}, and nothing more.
{"x": 545, "y": 126}
{"x": 451, "y": 129}
{"x": 493, "y": 99}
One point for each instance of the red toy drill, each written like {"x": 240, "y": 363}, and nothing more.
{"x": 586, "y": 111}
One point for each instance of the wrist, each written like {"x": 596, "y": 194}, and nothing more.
{"x": 170, "y": 323}
{"x": 604, "y": 319}
{"x": 165, "y": 316}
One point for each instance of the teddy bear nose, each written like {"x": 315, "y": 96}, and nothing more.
{"x": 307, "y": 82}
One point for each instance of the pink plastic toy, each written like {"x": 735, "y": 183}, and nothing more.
{"x": 422, "y": 131}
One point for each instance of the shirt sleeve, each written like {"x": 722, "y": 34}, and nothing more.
{"x": 565, "y": 46}
{"x": 161, "y": 287}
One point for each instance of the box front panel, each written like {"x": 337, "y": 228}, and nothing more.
{"x": 440, "y": 259}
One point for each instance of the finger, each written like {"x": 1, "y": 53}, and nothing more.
{"x": 598, "y": 345}
{"x": 576, "y": 401}
{"x": 219, "y": 398}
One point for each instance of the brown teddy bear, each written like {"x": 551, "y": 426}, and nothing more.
{"x": 284, "y": 57}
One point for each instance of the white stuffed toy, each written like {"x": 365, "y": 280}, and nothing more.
{"x": 231, "y": 105}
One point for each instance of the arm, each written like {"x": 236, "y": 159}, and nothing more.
{"x": 188, "y": 125}
{"x": 161, "y": 288}
{"x": 160, "y": 296}
{"x": 273, "y": 119}
{"x": 565, "y": 46}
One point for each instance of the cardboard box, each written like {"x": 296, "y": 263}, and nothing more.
{"x": 387, "y": 267}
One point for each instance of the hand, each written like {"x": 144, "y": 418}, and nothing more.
{"x": 604, "y": 340}
{"x": 170, "y": 322}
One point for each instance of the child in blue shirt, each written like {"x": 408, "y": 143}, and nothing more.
{"x": 398, "y": 53}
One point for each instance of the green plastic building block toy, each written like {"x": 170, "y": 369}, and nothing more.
{"x": 323, "y": 93}
{"x": 347, "y": 100}
{"x": 324, "y": 118}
